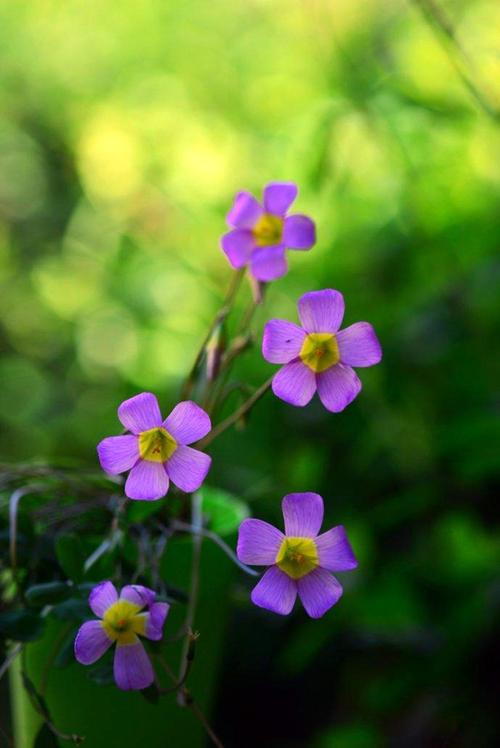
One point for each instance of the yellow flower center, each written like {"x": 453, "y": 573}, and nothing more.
{"x": 156, "y": 445}
{"x": 297, "y": 556}
{"x": 122, "y": 621}
{"x": 268, "y": 230}
{"x": 320, "y": 351}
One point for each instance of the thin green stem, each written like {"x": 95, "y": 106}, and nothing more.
{"x": 219, "y": 317}
{"x": 234, "y": 417}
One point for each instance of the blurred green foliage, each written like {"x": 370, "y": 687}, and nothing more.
{"x": 125, "y": 130}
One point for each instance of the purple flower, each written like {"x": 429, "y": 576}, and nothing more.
{"x": 300, "y": 561}
{"x": 121, "y": 620}
{"x": 156, "y": 452}
{"x": 262, "y": 233}
{"x": 319, "y": 356}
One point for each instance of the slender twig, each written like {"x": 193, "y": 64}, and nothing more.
{"x": 438, "y": 19}
{"x": 190, "y": 703}
{"x": 40, "y": 706}
{"x": 219, "y": 317}
{"x": 196, "y": 520}
{"x": 234, "y": 417}
{"x": 184, "y": 527}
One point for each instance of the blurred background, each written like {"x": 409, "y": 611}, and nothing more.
{"x": 125, "y": 130}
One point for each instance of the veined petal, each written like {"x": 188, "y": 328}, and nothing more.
{"x": 91, "y": 642}
{"x": 282, "y": 341}
{"x": 155, "y": 620}
{"x": 238, "y": 246}
{"x": 258, "y": 542}
{"x": 101, "y": 597}
{"x": 278, "y": 197}
{"x": 138, "y": 595}
{"x": 303, "y": 514}
{"x": 269, "y": 263}
{"x": 295, "y": 383}
{"x": 358, "y": 345}
{"x": 275, "y": 591}
{"x": 318, "y": 591}
{"x": 118, "y": 453}
{"x": 188, "y": 467}
{"x": 140, "y": 413}
{"x": 245, "y": 212}
{"x": 187, "y": 423}
{"x": 132, "y": 667}
{"x": 321, "y": 311}
{"x": 299, "y": 232}
{"x": 337, "y": 387}
{"x": 334, "y": 550}
{"x": 147, "y": 481}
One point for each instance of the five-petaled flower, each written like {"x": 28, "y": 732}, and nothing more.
{"x": 121, "y": 620}
{"x": 156, "y": 450}
{"x": 300, "y": 560}
{"x": 319, "y": 356}
{"x": 262, "y": 233}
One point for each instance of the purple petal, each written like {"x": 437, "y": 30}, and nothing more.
{"x": 118, "y": 453}
{"x": 282, "y": 341}
{"x": 101, "y": 597}
{"x": 91, "y": 642}
{"x": 140, "y": 413}
{"x": 258, "y": 542}
{"x": 138, "y": 595}
{"x": 147, "y": 481}
{"x": 278, "y": 196}
{"x": 245, "y": 212}
{"x": 132, "y": 667}
{"x": 299, "y": 232}
{"x": 188, "y": 467}
{"x": 337, "y": 387}
{"x": 321, "y": 311}
{"x": 295, "y": 383}
{"x": 303, "y": 514}
{"x": 318, "y": 591}
{"x": 187, "y": 423}
{"x": 275, "y": 591}
{"x": 269, "y": 263}
{"x": 358, "y": 345}
{"x": 334, "y": 550}
{"x": 155, "y": 620}
{"x": 238, "y": 246}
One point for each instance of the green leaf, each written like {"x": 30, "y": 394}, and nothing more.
{"x": 49, "y": 593}
{"x": 21, "y": 625}
{"x": 224, "y": 511}
{"x": 102, "y": 674}
{"x": 74, "y": 609}
{"x": 71, "y": 555}
{"x": 66, "y": 654}
{"x": 45, "y": 738}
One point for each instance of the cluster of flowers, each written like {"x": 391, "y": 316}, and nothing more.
{"x": 315, "y": 356}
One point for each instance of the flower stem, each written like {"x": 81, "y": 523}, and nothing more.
{"x": 238, "y": 413}
{"x": 221, "y": 315}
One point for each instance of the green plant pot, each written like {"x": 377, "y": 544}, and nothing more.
{"x": 108, "y": 717}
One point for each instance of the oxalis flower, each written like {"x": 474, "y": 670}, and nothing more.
{"x": 122, "y": 620}
{"x": 319, "y": 356}
{"x": 300, "y": 561}
{"x": 262, "y": 233}
{"x": 156, "y": 451}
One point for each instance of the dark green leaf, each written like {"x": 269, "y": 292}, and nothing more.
{"x": 151, "y": 694}
{"x": 21, "y": 625}
{"x": 224, "y": 511}
{"x": 45, "y": 738}
{"x": 74, "y": 609}
{"x": 48, "y": 594}
{"x": 66, "y": 654}
{"x": 102, "y": 674}
{"x": 71, "y": 555}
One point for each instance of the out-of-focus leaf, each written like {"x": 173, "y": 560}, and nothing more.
{"x": 21, "y": 625}
{"x": 66, "y": 654}
{"x": 74, "y": 609}
{"x": 225, "y": 512}
{"x": 102, "y": 674}
{"x": 49, "y": 593}
{"x": 45, "y": 738}
{"x": 71, "y": 555}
